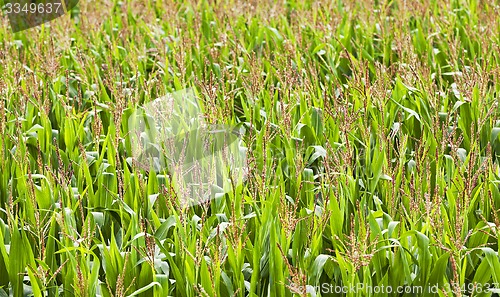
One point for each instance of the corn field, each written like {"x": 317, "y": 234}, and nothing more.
{"x": 369, "y": 133}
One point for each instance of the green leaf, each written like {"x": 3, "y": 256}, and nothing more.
{"x": 144, "y": 289}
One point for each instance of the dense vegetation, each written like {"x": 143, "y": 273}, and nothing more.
{"x": 372, "y": 137}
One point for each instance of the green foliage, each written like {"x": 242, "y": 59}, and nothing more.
{"x": 372, "y": 133}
